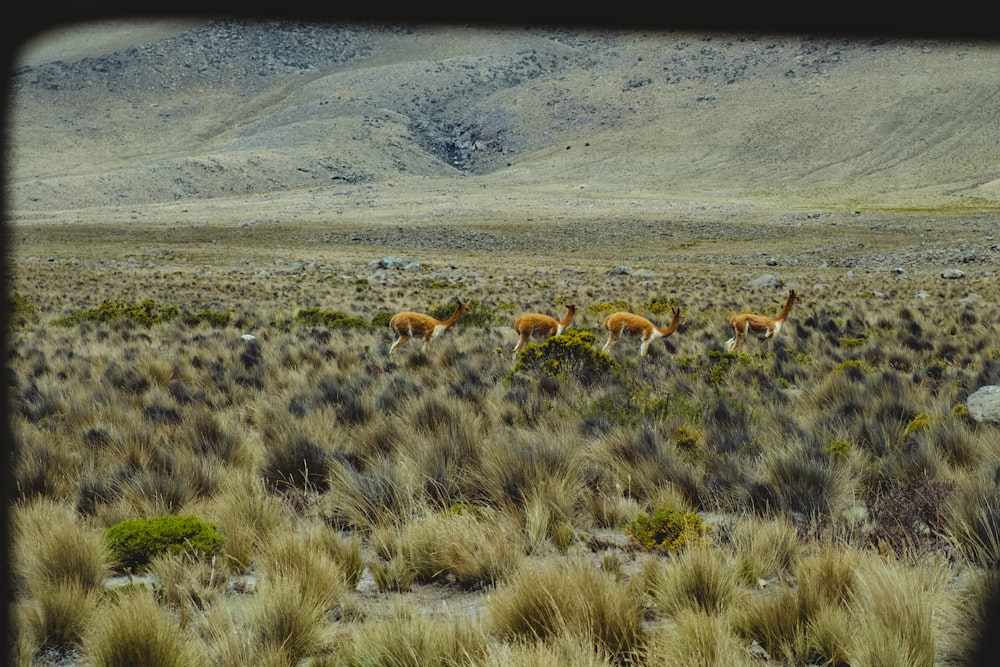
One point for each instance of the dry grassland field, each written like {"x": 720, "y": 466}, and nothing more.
{"x": 217, "y": 461}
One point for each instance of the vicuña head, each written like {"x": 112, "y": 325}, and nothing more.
{"x": 407, "y": 325}
{"x": 536, "y": 325}
{"x": 635, "y": 326}
{"x": 760, "y": 326}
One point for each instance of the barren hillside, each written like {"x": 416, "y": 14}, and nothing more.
{"x": 348, "y": 117}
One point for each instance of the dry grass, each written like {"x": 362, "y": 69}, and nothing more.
{"x": 843, "y": 483}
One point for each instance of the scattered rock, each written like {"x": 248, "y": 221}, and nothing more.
{"x": 984, "y": 404}
{"x": 952, "y": 274}
{"x": 388, "y": 262}
{"x": 766, "y": 280}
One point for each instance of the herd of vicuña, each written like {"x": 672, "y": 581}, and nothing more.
{"x": 408, "y": 324}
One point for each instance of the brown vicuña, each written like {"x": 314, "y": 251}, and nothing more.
{"x": 760, "y": 326}
{"x": 537, "y": 325}
{"x": 636, "y": 326}
{"x": 407, "y": 325}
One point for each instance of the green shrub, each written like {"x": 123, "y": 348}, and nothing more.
{"x": 603, "y": 307}
{"x": 146, "y": 313}
{"x": 720, "y": 369}
{"x": 851, "y": 363}
{"x": 688, "y": 440}
{"x": 852, "y": 342}
{"x": 479, "y": 315}
{"x": 662, "y": 306}
{"x": 332, "y": 319}
{"x": 20, "y": 310}
{"x": 572, "y": 352}
{"x": 213, "y": 318}
{"x": 838, "y": 449}
{"x": 666, "y": 530}
{"x": 381, "y": 320}
{"x": 921, "y": 422}
{"x": 134, "y": 543}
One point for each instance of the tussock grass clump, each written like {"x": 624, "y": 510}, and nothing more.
{"x": 297, "y": 461}
{"x": 135, "y": 630}
{"x": 52, "y": 547}
{"x": 286, "y": 619}
{"x": 893, "y": 608}
{"x": 807, "y": 483}
{"x": 20, "y": 311}
{"x": 515, "y": 462}
{"x": 700, "y": 578}
{"x": 247, "y": 515}
{"x": 407, "y": 639}
{"x": 972, "y": 520}
{"x": 187, "y": 583}
{"x": 471, "y": 549}
{"x": 56, "y": 616}
{"x": 305, "y": 561}
{"x": 765, "y": 549}
{"x": 364, "y": 499}
{"x": 546, "y": 601}
{"x": 697, "y": 638}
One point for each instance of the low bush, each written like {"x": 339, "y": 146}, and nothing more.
{"x": 571, "y": 353}
{"x": 331, "y": 319}
{"x": 479, "y": 315}
{"x": 134, "y": 543}
{"x": 20, "y": 311}
{"x": 146, "y": 313}
{"x": 667, "y": 530}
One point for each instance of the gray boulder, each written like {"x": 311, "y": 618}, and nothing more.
{"x": 768, "y": 280}
{"x": 984, "y": 404}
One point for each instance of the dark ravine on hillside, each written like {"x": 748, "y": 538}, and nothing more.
{"x": 234, "y": 108}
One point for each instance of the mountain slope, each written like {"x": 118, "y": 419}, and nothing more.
{"x": 237, "y": 109}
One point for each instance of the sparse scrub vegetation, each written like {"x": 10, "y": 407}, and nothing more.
{"x": 699, "y": 507}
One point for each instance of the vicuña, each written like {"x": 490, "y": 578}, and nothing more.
{"x": 407, "y": 325}
{"x": 635, "y": 326}
{"x": 760, "y": 326}
{"x": 536, "y": 325}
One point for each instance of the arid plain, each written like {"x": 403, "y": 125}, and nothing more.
{"x": 177, "y": 188}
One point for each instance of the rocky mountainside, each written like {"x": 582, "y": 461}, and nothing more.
{"x": 231, "y": 109}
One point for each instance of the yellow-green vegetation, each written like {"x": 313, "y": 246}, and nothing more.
{"x": 147, "y": 313}
{"x": 564, "y": 507}
{"x": 571, "y": 353}
{"x": 667, "y": 530}
{"x": 20, "y": 311}
{"x": 838, "y": 449}
{"x": 328, "y": 318}
{"x": 135, "y": 542}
